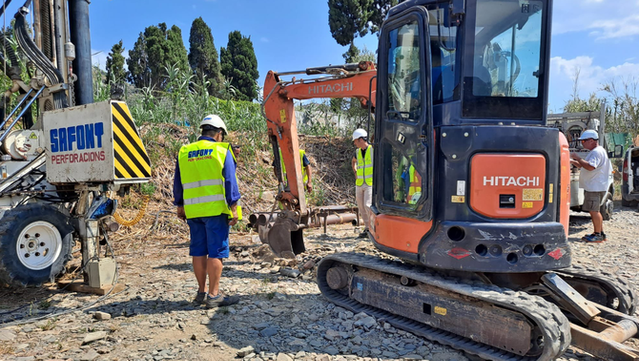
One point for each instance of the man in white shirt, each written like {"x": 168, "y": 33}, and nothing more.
{"x": 593, "y": 178}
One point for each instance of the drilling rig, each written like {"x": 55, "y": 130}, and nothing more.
{"x": 61, "y": 153}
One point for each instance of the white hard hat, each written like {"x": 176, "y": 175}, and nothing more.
{"x": 214, "y": 121}
{"x": 589, "y": 134}
{"x": 359, "y": 133}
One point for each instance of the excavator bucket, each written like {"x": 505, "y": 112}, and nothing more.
{"x": 284, "y": 237}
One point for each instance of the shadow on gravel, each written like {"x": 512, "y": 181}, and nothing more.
{"x": 276, "y": 323}
{"x": 186, "y": 266}
{"x": 136, "y": 307}
{"x": 21, "y": 302}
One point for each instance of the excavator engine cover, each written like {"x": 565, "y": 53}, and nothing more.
{"x": 284, "y": 237}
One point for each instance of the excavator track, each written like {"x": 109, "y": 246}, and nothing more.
{"x": 551, "y": 327}
{"x": 601, "y": 287}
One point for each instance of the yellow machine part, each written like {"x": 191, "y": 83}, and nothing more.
{"x": 131, "y": 159}
{"x": 137, "y": 218}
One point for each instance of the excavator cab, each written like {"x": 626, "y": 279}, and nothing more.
{"x": 462, "y": 162}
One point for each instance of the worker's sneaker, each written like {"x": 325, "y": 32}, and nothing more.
{"x": 364, "y": 234}
{"x": 199, "y": 299}
{"x": 594, "y": 238}
{"x": 584, "y": 238}
{"x": 221, "y": 300}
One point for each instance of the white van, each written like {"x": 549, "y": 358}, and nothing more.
{"x": 630, "y": 179}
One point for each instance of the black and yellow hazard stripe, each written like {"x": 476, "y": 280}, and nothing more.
{"x": 131, "y": 160}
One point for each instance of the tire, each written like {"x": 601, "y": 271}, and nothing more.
{"x": 626, "y": 203}
{"x": 35, "y": 244}
{"x": 607, "y": 208}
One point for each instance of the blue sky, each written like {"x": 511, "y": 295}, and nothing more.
{"x": 597, "y": 38}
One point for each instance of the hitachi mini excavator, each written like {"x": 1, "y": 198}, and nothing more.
{"x": 460, "y": 92}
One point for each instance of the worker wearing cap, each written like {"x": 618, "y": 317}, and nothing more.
{"x": 593, "y": 178}
{"x": 206, "y": 194}
{"x": 362, "y": 164}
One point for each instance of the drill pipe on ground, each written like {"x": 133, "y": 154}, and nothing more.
{"x": 260, "y": 219}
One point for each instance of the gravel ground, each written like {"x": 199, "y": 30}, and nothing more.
{"x": 281, "y": 316}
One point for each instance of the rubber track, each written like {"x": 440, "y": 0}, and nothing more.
{"x": 627, "y": 299}
{"x": 552, "y": 323}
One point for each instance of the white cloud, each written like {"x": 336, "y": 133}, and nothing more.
{"x": 591, "y": 78}
{"x": 605, "y": 19}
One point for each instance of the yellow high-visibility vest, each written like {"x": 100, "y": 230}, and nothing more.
{"x": 304, "y": 175}
{"x": 201, "y": 165}
{"x": 365, "y": 167}
{"x": 415, "y": 184}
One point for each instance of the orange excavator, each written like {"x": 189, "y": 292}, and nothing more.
{"x": 459, "y": 94}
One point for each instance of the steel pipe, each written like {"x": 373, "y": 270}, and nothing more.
{"x": 81, "y": 38}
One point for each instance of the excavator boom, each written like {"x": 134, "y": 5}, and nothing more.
{"x": 343, "y": 81}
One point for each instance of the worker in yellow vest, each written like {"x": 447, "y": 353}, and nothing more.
{"x": 363, "y": 168}
{"x": 414, "y": 185}
{"x": 206, "y": 194}
{"x": 307, "y": 171}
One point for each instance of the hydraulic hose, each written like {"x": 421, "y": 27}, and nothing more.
{"x": 33, "y": 53}
{"x": 4, "y": 6}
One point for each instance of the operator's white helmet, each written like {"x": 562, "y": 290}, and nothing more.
{"x": 359, "y": 133}
{"x": 214, "y": 121}
{"x": 589, "y": 134}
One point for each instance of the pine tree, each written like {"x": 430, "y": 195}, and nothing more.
{"x": 139, "y": 73}
{"x": 349, "y": 18}
{"x": 240, "y": 65}
{"x": 203, "y": 57}
{"x": 115, "y": 65}
{"x": 156, "y": 49}
{"x": 176, "y": 51}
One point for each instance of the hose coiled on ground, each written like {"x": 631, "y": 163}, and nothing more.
{"x": 137, "y": 218}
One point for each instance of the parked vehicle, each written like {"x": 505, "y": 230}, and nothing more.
{"x": 630, "y": 179}
{"x": 572, "y": 125}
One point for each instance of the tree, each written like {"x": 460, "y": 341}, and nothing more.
{"x": 155, "y": 50}
{"x": 239, "y": 64}
{"x": 623, "y": 108}
{"x": 351, "y": 54}
{"x": 203, "y": 56}
{"x": 165, "y": 48}
{"x": 348, "y": 19}
{"x": 139, "y": 73}
{"x": 115, "y": 64}
{"x": 351, "y": 108}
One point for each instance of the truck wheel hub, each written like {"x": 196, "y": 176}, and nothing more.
{"x": 39, "y": 245}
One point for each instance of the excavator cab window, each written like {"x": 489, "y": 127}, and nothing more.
{"x": 443, "y": 46}
{"x": 403, "y": 163}
{"x": 404, "y": 78}
{"x": 505, "y": 46}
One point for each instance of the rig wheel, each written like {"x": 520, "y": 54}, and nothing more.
{"x": 35, "y": 244}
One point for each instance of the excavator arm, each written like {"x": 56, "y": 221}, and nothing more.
{"x": 284, "y": 234}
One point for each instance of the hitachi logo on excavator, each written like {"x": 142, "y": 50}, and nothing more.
{"x": 505, "y": 181}
{"x": 335, "y": 88}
